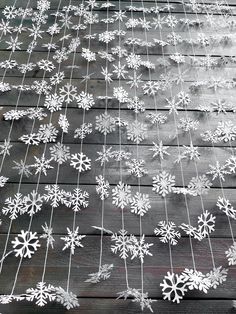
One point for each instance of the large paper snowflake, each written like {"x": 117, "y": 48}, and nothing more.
{"x": 80, "y": 162}
{"x": 25, "y": 244}
{"x": 78, "y": 199}
{"x": 41, "y": 294}
{"x": 123, "y": 243}
{"x": 140, "y": 204}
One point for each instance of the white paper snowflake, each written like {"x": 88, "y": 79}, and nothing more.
{"x": 60, "y": 153}
{"x": 140, "y": 204}
{"x": 196, "y": 280}
{"x": 33, "y": 203}
{"x": 231, "y": 254}
{"x": 102, "y": 187}
{"x": 123, "y": 243}
{"x": 217, "y": 276}
{"x": 78, "y": 199}
{"x": 121, "y": 195}
{"x": 80, "y": 162}
{"x": 163, "y": 183}
{"x": 167, "y": 232}
{"x": 173, "y": 287}
{"x": 72, "y": 240}
{"x": 103, "y": 274}
{"x": 41, "y": 294}
{"x": 136, "y": 131}
{"x": 25, "y": 244}
{"x": 14, "y": 206}
{"x": 225, "y": 205}
{"x": 66, "y": 298}
{"x": 136, "y": 167}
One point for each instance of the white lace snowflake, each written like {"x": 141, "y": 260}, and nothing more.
{"x": 167, "y": 232}
{"x": 217, "y": 276}
{"x": 231, "y": 254}
{"x": 55, "y": 195}
{"x": 173, "y": 287}
{"x": 123, "y": 242}
{"x": 196, "y": 280}
{"x": 140, "y": 204}
{"x": 103, "y": 274}
{"x": 102, "y": 187}
{"x": 199, "y": 185}
{"x": 163, "y": 183}
{"x": 48, "y": 235}
{"x": 47, "y": 133}
{"x": 231, "y": 164}
{"x": 80, "y": 162}
{"x": 25, "y": 244}
{"x": 136, "y": 131}
{"x": 42, "y": 294}
{"x": 136, "y": 167}
{"x": 83, "y": 131}
{"x": 60, "y": 153}
{"x": 218, "y": 171}
{"x": 225, "y": 205}
{"x": 33, "y": 203}
{"x": 206, "y": 223}
{"x": 14, "y": 206}
{"x": 159, "y": 150}
{"x": 72, "y": 240}
{"x": 63, "y": 123}
{"x": 105, "y": 123}
{"x": 66, "y": 298}
{"x": 140, "y": 248}
{"x": 121, "y": 195}
{"x": 68, "y": 93}
{"x": 85, "y": 100}
{"x": 42, "y": 165}
{"x": 53, "y": 102}
{"x": 78, "y": 199}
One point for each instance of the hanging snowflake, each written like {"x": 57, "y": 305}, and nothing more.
{"x": 72, "y": 240}
{"x": 231, "y": 254}
{"x": 121, "y": 195}
{"x": 225, "y": 205}
{"x": 80, "y": 162}
{"x": 163, "y": 183}
{"x": 25, "y": 244}
{"x": 136, "y": 167}
{"x": 60, "y": 153}
{"x": 102, "y": 187}
{"x": 196, "y": 280}
{"x": 78, "y": 199}
{"x": 41, "y": 294}
{"x": 123, "y": 243}
{"x": 136, "y": 132}
{"x": 140, "y": 204}
{"x": 167, "y": 232}
{"x": 103, "y": 274}
{"x": 173, "y": 287}
{"x": 217, "y": 276}
{"x": 66, "y": 298}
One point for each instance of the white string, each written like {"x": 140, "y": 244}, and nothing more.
{"x": 195, "y": 164}
{"x": 26, "y": 154}
{"x": 45, "y": 146}
{"x": 81, "y": 146}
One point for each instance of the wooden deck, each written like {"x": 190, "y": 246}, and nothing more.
{"x": 101, "y": 298}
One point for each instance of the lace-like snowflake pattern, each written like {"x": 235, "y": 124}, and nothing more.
{"x": 173, "y": 287}
{"x": 167, "y": 232}
{"x": 163, "y": 183}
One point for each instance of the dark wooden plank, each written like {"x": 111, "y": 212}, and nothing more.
{"x": 68, "y": 175}
{"x": 86, "y": 260}
{"x": 107, "y": 306}
{"x": 91, "y": 216}
{"x": 97, "y": 88}
{"x": 166, "y": 132}
{"x": 95, "y": 67}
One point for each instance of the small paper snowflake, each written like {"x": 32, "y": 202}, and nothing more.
{"x": 121, "y": 195}
{"x": 163, "y": 183}
{"x": 105, "y": 123}
{"x": 73, "y": 240}
{"x": 173, "y": 287}
{"x": 42, "y": 294}
{"x": 136, "y": 167}
{"x": 136, "y": 131}
{"x": 217, "y": 276}
{"x": 225, "y": 205}
{"x": 33, "y": 203}
{"x": 196, "y": 280}
{"x": 231, "y": 254}
{"x": 123, "y": 242}
{"x": 78, "y": 199}
{"x": 80, "y": 162}
{"x": 66, "y": 298}
{"x": 102, "y": 187}
{"x": 140, "y": 248}
{"x": 14, "y": 206}
{"x": 206, "y": 223}
{"x": 60, "y": 153}
{"x": 167, "y": 232}
{"x": 218, "y": 171}
{"x": 103, "y": 274}
{"x": 159, "y": 150}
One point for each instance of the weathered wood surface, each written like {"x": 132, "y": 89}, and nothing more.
{"x": 175, "y": 204}
{"x": 107, "y": 306}
{"x": 86, "y": 259}
{"x": 100, "y": 299}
